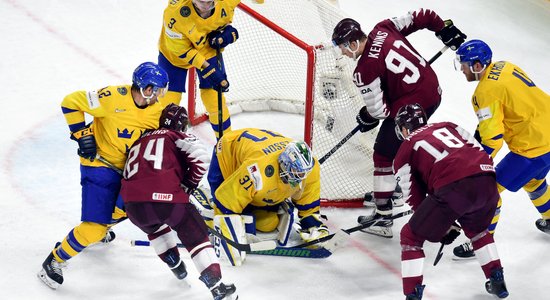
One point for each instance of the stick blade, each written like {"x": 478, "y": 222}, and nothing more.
{"x": 263, "y": 245}
{"x": 339, "y": 238}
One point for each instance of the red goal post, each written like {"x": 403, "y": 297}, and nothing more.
{"x": 283, "y": 61}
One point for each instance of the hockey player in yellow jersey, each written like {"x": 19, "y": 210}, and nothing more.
{"x": 121, "y": 114}
{"x": 259, "y": 173}
{"x": 192, "y": 31}
{"x": 510, "y": 108}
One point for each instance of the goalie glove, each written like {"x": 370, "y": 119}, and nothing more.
{"x": 312, "y": 228}
{"x": 451, "y": 234}
{"x": 220, "y": 39}
{"x": 365, "y": 120}
{"x": 450, "y": 35}
{"x": 87, "y": 146}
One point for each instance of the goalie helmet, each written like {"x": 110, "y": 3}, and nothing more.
{"x": 472, "y": 51}
{"x": 174, "y": 117}
{"x": 150, "y": 74}
{"x": 346, "y": 31}
{"x": 295, "y": 163}
{"x": 410, "y": 116}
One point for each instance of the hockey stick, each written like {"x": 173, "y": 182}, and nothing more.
{"x": 438, "y": 54}
{"x": 108, "y": 164}
{"x": 340, "y": 144}
{"x": 336, "y": 238}
{"x": 220, "y": 109}
{"x": 256, "y": 246}
{"x": 278, "y": 251}
{"x": 439, "y": 254}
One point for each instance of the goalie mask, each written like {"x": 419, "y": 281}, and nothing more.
{"x": 174, "y": 117}
{"x": 411, "y": 117}
{"x": 295, "y": 163}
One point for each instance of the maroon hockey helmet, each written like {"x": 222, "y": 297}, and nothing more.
{"x": 174, "y": 117}
{"x": 410, "y": 116}
{"x": 346, "y": 31}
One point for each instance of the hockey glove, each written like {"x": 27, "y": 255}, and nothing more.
{"x": 312, "y": 228}
{"x": 216, "y": 77}
{"x": 365, "y": 121}
{"x": 87, "y": 146}
{"x": 220, "y": 39}
{"x": 452, "y": 234}
{"x": 450, "y": 35}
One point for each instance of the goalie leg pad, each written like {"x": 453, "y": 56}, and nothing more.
{"x": 286, "y": 221}
{"x": 232, "y": 227}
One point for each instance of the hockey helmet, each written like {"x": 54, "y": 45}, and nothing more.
{"x": 346, "y": 31}
{"x": 410, "y": 116}
{"x": 150, "y": 74}
{"x": 174, "y": 117}
{"x": 473, "y": 51}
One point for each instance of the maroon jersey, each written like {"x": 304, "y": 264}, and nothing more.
{"x": 159, "y": 163}
{"x": 391, "y": 73}
{"x": 436, "y": 155}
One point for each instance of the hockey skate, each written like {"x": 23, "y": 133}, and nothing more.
{"x": 496, "y": 284}
{"x": 417, "y": 295}
{"x": 109, "y": 237}
{"x": 396, "y": 198}
{"x": 543, "y": 225}
{"x": 464, "y": 251}
{"x": 382, "y": 227}
{"x": 220, "y": 290}
{"x": 52, "y": 273}
{"x": 176, "y": 265}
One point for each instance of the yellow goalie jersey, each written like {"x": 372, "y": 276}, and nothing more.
{"x": 249, "y": 165}
{"x": 510, "y": 107}
{"x": 183, "y": 37}
{"x": 117, "y": 123}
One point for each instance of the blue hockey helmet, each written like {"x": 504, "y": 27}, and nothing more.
{"x": 295, "y": 163}
{"x": 150, "y": 74}
{"x": 473, "y": 51}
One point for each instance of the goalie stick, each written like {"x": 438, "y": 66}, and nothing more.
{"x": 278, "y": 251}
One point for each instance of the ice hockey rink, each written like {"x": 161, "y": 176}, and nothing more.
{"x": 51, "y": 48}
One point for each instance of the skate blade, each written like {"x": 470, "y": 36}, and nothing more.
{"x": 47, "y": 280}
{"x": 458, "y": 258}
{"x": 385, "y": 233}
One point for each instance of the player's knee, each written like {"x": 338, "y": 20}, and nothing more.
{"x": 408, "y": 238}
{"x": 87, "y": 232}
{"x": 266, "y": 221}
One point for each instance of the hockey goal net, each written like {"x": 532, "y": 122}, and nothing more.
{"x": 283, "y": 61}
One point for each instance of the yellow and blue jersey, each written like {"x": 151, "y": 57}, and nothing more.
{"x": 183, "y": 39}
{"x": 117, "y": 121}
{"x": 511, "y": 108}
{"x": 248, "y": 161}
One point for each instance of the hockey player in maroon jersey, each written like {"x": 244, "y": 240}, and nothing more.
{"x": 446, "y": 177}
{"x": 163, "y": 167}
{"x": 390, "y": 73}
